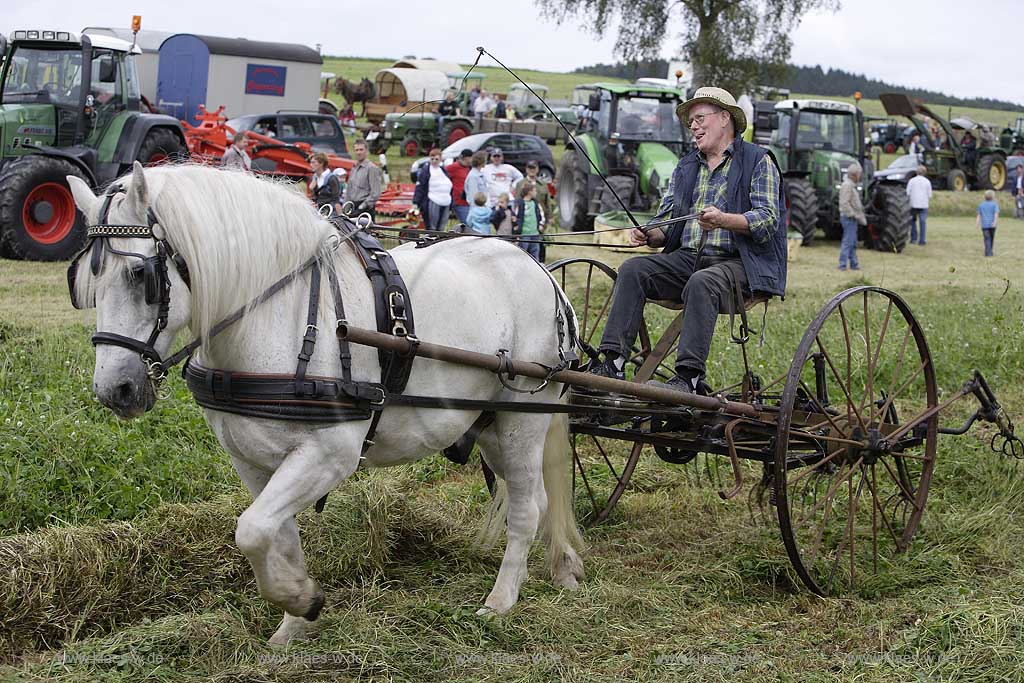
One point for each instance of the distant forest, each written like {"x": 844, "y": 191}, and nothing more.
{"x": 812, "y": 80}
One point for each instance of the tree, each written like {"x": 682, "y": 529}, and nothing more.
{"x": 731, "y": 43}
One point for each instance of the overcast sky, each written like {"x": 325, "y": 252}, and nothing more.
{"x": 959, "y": 48}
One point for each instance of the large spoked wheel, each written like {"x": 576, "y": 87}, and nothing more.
{"x": 602, "y": 466}
{"x": 855, "y": 441}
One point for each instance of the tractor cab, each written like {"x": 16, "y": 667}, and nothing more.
{"x": 68, "y": 89}
{"x": 815, "y": 142}
{"x": 631, "y": 132}
{"x": 70, "y": 104}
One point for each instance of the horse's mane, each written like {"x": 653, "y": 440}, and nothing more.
{"x": 238, "y": 234}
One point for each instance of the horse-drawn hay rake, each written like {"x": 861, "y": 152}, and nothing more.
{"x": 846, "y": 439}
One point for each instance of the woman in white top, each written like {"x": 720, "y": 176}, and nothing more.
{"x": 433, "y": 192}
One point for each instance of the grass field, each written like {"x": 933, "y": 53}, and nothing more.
{"x": 119, "y": 561}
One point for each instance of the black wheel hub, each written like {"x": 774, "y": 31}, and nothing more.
{"x": 873, "y": 446}
{"x": 42, "y": 212}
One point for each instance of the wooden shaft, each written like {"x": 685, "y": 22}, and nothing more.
{"x": 451, "y": 354}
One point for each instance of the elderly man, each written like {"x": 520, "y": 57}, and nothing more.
{"x": 919, "y": 189}
{"x": 236, "y": 156}
{"x": 736, "y": 188}
{"x": 364, "y": 182}
{"x": 851, "y": 214}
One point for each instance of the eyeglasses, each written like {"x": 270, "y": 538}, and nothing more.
{"x": 699, "y": 118}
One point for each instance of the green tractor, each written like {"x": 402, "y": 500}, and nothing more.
{"x": 815, "y": 141}
{"x": 950, "y": 165}
{"x": 70, "y": 105}
{"x": 633, "y": 135}
{"x": 415, "y": 132}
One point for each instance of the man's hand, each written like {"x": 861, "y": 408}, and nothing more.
{"x": 712, "y": 218}
{"x": 652, "y": 238}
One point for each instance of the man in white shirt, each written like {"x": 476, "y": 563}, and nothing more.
{"x": 500, "y": 177}
{"x": 919, "y": 189}
{"x": 483, "y": 105}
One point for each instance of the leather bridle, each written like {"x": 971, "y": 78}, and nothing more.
{"x": 153, "y": 270}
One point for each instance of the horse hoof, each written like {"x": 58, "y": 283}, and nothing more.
{"x": 486, "y": 613}
{"x": 567, "y": 582}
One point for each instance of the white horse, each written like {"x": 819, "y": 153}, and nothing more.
{"x": 237, "y": 235}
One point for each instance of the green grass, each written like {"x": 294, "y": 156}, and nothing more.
{"x": 680, "y": 585}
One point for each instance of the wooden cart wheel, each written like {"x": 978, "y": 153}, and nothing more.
{"x": 588, "y": 283}
{"x": 600, "y": 474}
{"x": 602, "y": 466}
{"x": 855, "y": 440}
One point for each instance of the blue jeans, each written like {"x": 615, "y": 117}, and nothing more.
{"x": 848, "y": 247}
{"x": 531, "y": 245}
{"x": 437, "y": 216}
{"x": 990, "y": 235}
{"x": 915, "y": 216}
{"x": 461, "y": 213}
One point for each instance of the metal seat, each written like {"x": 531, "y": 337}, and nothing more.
{"x": 724, "y": 308}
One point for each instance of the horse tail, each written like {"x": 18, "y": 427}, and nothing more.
{"x": 559, "y": 529}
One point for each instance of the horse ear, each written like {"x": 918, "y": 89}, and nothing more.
{"x": 138, "y": 194}
{"x": 85, "y": 200}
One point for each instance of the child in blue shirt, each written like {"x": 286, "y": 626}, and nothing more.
{"x": 988, "y": 216}
{"x": 479, "y": 218}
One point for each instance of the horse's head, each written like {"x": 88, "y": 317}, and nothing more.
{"x": 138, "y": 284}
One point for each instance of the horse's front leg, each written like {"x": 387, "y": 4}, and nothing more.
{"x": 269, "y": 537}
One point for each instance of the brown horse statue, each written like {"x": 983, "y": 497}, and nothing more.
{"x": 353, "y": 93}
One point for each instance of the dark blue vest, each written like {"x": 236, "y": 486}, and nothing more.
{"x": 765, "y": 264}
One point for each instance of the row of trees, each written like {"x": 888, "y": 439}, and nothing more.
{"x": 809, "y": 79}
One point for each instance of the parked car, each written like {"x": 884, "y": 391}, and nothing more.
{"x": 902, "y": 168}
{"x": 1011, "y": 172}
{"x": 319, "y": 131}
{"x": 518, "y": 149}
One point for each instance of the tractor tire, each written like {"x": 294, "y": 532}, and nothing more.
{"x": 803, "y": 207}
{"x": 409, "y": 147}
{"x": 991, "y": 172}
{"x": 571, "y": 190}
{"x": 956, "y": 180}
{"x": 453, "y": 132}
{"x": 890, "y": 148}
{"x": 38, "y": 217}
{"x": 161, "y": 146}
{"x": 892, "y": 207}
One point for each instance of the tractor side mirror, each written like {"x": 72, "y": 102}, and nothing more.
{"x": 3, "y": 47}
{"x": 594, "y": 102}
{"x": 108, "y": 69}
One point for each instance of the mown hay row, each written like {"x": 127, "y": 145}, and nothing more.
{"x": 61, "y": 584}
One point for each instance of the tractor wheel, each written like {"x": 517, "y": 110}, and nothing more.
{"x": 571, "y": 189}
{"x": 991, "y": 172}
{"x": 38, "y": 218}
{"x": 454, "y": 132}
{"x": 890, "y": 148}
{"x": 161, "y": 146}
{"x": 956, "y": 180}
{"x": 409, "y": 147}
{"x": 893, "y": 210}
{"x": 803, "y": 207}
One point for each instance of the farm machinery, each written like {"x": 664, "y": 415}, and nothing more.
{"x": 815, "y": 141}
{"x": 70, "y": 105}
{"x": 950, "y": 165}
{"x": 208, "y": 141}
{"x": 634, "y": 137}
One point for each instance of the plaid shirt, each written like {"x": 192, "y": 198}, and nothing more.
{"x": 710, "y": 190}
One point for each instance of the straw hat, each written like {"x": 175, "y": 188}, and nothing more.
{"x": 719, "y": 98}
